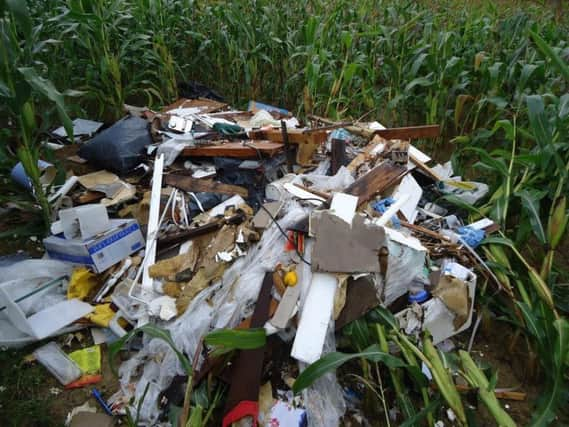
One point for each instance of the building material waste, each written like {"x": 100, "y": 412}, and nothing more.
{"x": 229, "y": 220}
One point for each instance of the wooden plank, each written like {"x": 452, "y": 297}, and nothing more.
{"x": 187, "y": 183}
{"x": 376, "y": 181}
{"x": 236, "y": 150}
{"x": 295, "y": 136}
{"x": 410, "y": 132}
{"x": 338, "y": 158}
{"x": 307, "y": 142}
{"x": 423, "y": 167}
{"x": 366, "y": 153}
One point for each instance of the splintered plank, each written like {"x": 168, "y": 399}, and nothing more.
{"x": 410, "y": 132}
{"x": 376, "y": 181}
{"x": 187, "y": 183}
{"x": 236, "y": 150}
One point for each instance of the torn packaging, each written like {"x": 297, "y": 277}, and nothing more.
{"x": 454, "y": 293}
{"x": 341, "y": 247}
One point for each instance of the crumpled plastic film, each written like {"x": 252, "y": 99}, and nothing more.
{"x": 338, "y": 182}
{"x": 324, "y": 400}
{"x": 24, "y": 277}
{"x": 172, "y": 148}
{"x": 223, "y": 304}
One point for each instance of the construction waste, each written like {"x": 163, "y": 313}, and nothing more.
{"x": 199, "y": 218}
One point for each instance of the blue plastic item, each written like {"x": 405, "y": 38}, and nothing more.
{"x": 419, "y": 297}
{"x": 471, "y": 236}
{"x": 342, "y": 134}
{"x": 382, "y": 205}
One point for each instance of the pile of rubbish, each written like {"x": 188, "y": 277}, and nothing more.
{"x": 201, "y": 217}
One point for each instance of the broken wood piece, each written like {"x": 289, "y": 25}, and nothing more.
{"x": 376, "y": 181}
{"x": 322, "y": 194}
{"x": 370, "y": 151}
{"x": 425, "y": 231}
{"x": 307, "y": 143}
{"x": 328, "y": 127}
{"x": 500, "y": 394}
{"x": 361, "y": 297}
{"x": 192, "y": 233}
{"x": 189, "y": 184}
{"x": 406, "y": 132}
{"x": 338, "y": 158}
{"x": 410, "y": 132}
{"x": 239, "y": 150}
{"x": 242, "y": 399}
{"x": 424, "y": 168}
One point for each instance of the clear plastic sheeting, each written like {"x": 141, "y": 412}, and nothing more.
{"x": 222, "y": 305}
{"x": 22, "y": 278}
{"x": 324, "y": 400}
{"x": 172, "y": 148}
{"x": 322, "y": 182}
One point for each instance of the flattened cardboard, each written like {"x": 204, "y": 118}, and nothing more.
{"x": 346, "y": 248}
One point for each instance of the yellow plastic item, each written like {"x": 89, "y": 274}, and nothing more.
{"x": 290, "y": 278}
{"x": 82, "y": 282}
{"x": 88, "y": 359}
{"x": 102, "y": 315}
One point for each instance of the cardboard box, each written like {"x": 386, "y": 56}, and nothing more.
{"x": 101, "y": 251}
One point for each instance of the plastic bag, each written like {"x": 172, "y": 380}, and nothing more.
{"x": 338, "y": 182}
{"x": 119, "y": 148}
{"x": 324, "y": 400}
{"x": 24, "y": 277}
{"x": 223, "y": 305}
{"x": 58, "y": 363}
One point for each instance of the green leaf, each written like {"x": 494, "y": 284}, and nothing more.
{"x": 46, "y": 88}
{"x": 557, "y": 390}
{"x": 531, "y": 322}
{"x": 531, "y": 204}
{"x": 420, "y": 81}
{"x": 332, "y": 361}
{"x": 539, "y": 125}
{"x": 563, "y": 106}
{"x": 416, "y": 419}
{"x": 237, "y": 339}
{"x": 154, "y": 332}
{"x": 384, "y": 316}
{"x": 19, "y": 9}
{"x": 548, "y": 52}
{"x": 498, "y": 241}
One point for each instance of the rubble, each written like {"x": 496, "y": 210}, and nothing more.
{"x": 249, "y": 220}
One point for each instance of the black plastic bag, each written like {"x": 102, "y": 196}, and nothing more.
{"x": 193, "y": 90}
{"x": 119, "y": 148}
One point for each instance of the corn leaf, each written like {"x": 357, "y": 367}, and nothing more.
{"x": 531, "y": 204}
{"x": 548, "y": 52}
{"x": 19, "y": 9}
{"x": 557, "y": 390}
{"x": 416, "y": 419}
{"x": 237, "y": 339}
{"x": 46, "y": 88}
{"x": 332, "y": 361}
